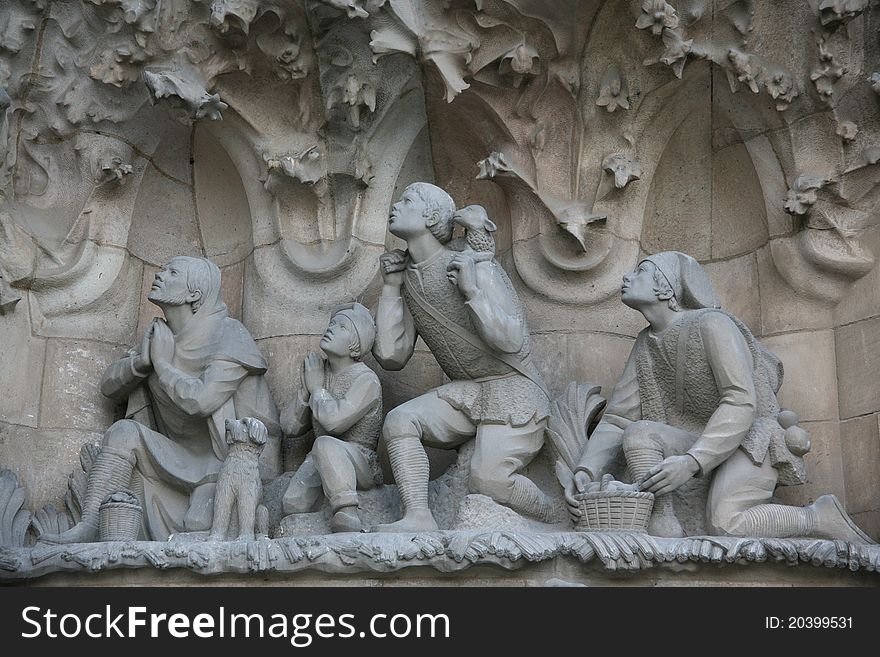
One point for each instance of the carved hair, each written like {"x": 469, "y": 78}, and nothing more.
{"x": 202, "y": 276}
{"x": 440, "y": 206}
{"x": 354, "y": 347}
{"x": 664, "y": 290}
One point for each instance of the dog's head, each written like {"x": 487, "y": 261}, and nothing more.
{"x": 246, "y": 430}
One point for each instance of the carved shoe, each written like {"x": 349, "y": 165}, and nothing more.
{"x": 81, "y": 532}
{"x": 419, "y": 520}
{"x": 833, "y": 522}
{"x": 346, "y": 520}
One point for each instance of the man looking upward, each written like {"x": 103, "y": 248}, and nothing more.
{"x": 191, "y": 372}
{"x": 473, "y": 322}
{"x": 698, "y": 398}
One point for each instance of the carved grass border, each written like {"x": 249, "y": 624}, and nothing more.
{"x": 445, "y": 551}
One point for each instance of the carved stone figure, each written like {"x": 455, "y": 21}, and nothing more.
{"x": 340, "y": 399}
{"x": 191, "y": 373}
{"x": 479, "y": 243}
{"x": 698, "y": 398}
{"x": 273, "y": 137}
{"x": 472, "y": 320}
{"x": 239, "y": 487}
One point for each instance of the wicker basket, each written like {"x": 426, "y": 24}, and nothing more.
{"x": 611, "y": 510}
{"x": 119, "y": 517}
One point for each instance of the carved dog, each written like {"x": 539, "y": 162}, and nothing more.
{"x": 239, "y": 488}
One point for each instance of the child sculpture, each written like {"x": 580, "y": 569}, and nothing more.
{"x": 341, "y": 400}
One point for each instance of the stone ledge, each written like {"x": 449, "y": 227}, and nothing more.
{"x": 443, "y": 552}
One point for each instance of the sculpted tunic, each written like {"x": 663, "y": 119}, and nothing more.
{"x": 348, "y": 407}
{"x": 708, "y": 375}
{"x": 216, "y": 374}
{"x": 483, "y": 344}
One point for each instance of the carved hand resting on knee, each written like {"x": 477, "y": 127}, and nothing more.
{"x": 669, "y": 474}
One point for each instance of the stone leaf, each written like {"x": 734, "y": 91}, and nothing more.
{"x": 14, "y": 520}
{"x": 50, "y": 520}
{"x": 657, "y": 14}
{"x": 442, "y": 41}
{"x": 183, "y": 88}
{"x": 834, "y": 13}
{"x": 233, "y": 17}
{"x": 575, "y": 218}
{"x": 623, "y": 168}
{"x": 571, "y": 415}
{"x": 78, "y": 481}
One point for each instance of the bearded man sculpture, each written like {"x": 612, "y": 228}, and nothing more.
{"x": 191, "y": 372}
{"x": 698, "y": 398}
{"x": 468, "y": 313}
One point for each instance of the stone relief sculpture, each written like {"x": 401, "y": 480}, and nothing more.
{"x": 471, "y": 318}
{"x": 698, "y": 398}
{"x": 191, "y": 373}
{"x": 239, "y": 484}
{"x": 271, "y": 137}
{"x": 340, "y": 400}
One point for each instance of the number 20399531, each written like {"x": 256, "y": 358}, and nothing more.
{"x": 808, "y": 622}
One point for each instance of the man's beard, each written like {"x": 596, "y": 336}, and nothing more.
{"x": 160, "y": 298}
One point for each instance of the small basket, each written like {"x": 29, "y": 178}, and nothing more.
{"x": 614, "y": 511}
{"x": 119, "y": 517}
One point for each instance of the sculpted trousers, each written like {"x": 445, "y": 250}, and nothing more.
{"x": 334, "y": 466}
{"x": 738, "y": 485}
{"x": 500, "y": 453}
{"x": 180, "y": 483}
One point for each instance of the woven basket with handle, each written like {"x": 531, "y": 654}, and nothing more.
{"x": 614, "y": 510}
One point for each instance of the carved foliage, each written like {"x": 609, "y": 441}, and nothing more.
{"x": 803, "y": 194}
{"x": 185, "y": 90}
{"x": 572, "y": 416}
{"x": 416, "y": 27}
{"x": 14, "y": 520}
{"x": 353, "y": 94}
{"x": 233, "y": 18}
{"x": 623, "y": 168}
{"x": 613, "y": 90}
{"x": 306, "y": 166}
{"x": 112, "y": 169}
{"x": 834, "y": 13}
{"x": 826, "y": 73}
{"x": 656, "y": 15}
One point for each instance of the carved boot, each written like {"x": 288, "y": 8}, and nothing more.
{"x": 831, "y": 521}
{"x": 111, "y": 473}
{"x": 824, "y": 518}
{"x": 663, "y": 521}
{"x": 410, "y": 465}
{"x": 529, "y": 500}
{"x": 345, "y": 513}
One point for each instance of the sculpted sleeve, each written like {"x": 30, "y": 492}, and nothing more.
{"x": 202, "y": 395}
{"x": 296, "y": 419}
{"x": 495, "y": 311}
{"x": 625, "y": 407}
{"x": 121, "y": 378}
{"x": 338, "y": 415}
{"x": 395, "y": 333}
{"x": 732, "y": 365}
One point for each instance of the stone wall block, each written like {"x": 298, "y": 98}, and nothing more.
{"x": 810, "y": 384}
{"x": 858, "y": 356}
{"x": 71, "y": 396}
